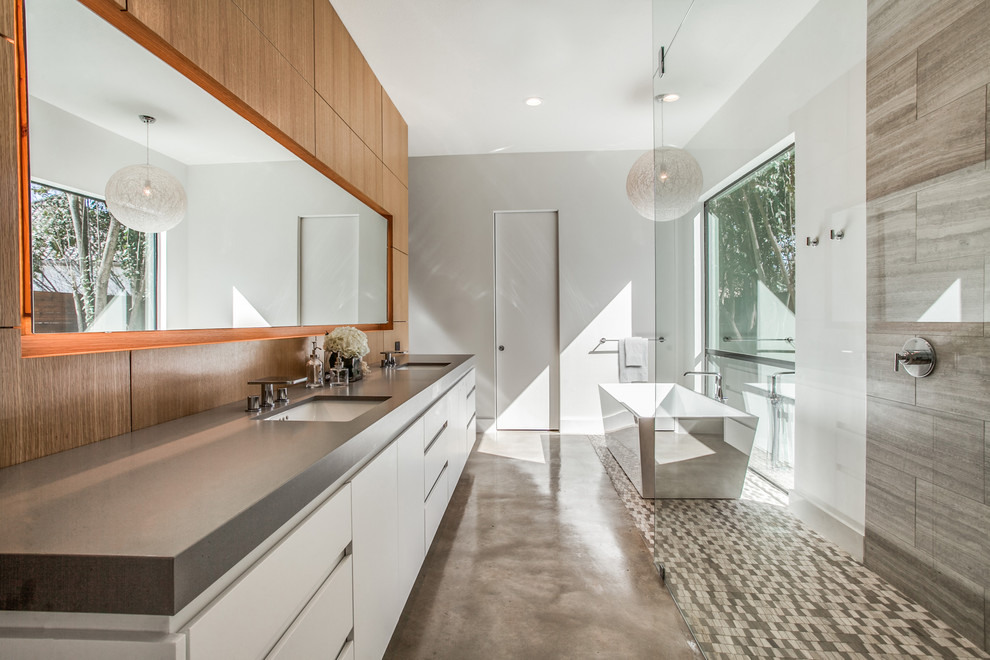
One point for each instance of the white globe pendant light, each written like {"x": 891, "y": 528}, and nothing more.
{"x": 665, "y": 183}
{"x": 146, "y": 198}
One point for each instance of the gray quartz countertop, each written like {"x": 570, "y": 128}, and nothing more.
{"x": 144, "y": 522}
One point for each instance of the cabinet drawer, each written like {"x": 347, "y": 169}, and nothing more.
{"x": 436, "y": 504}
{"x": 325, "y": 623}
{"x": 471, "y": 405}
{"x": 249, "y": 617}
{"x": 435, "y": 460}
{"x": 347, "y": 653}
{"x": 434, "y": 420}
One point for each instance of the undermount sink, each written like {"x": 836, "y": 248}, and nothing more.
{"x": 423, "y": 365}
{"x": 327, "y": 409}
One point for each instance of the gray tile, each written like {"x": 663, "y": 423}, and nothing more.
{"x": 949, "y": 291}
{"x": 881, "y": 379}
{"x": 902, "y": 438}
{"x": 924, "y": 523}
{"x": 986, "y": 463}
{"x": 954, "y": 218}
{"x": 959, "y": 452}
{"x": 960, "y": 383}
{"x": 961, "y": 535}
{"x": 944, "y": 592}
{"x": 955, "y": 61}
{"x": 943, "y": 141}
{"x": 891, "y": 102}
{"x": 895, "y": 28}
{"x": 890, "y": 503}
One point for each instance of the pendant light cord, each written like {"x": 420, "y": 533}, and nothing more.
{"x": 665, "y": 51}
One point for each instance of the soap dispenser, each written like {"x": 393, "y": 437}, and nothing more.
{"x": 314, "y": 369}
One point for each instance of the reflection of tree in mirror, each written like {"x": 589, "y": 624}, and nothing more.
{"x": 80, "y": 251}
{"x": 753, "y": 224}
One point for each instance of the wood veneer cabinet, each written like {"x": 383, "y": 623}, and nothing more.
{"x": 288, "y": 26}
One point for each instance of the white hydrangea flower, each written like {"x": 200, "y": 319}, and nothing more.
{"x": 347, "y": 341}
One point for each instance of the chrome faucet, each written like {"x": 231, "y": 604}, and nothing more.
{"x": 389, "y": 361}
{"x": 774, "y": 395}
{"x": 719, "y": 396}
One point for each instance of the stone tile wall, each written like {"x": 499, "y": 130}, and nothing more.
{"x": 928, "y": 254}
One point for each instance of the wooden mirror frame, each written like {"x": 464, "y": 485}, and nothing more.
{"x": 44, "y": 344}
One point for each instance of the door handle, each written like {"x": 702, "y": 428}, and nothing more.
{"x": 501, "y": 348}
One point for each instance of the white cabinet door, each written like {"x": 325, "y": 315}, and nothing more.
{"x": 374, "y": 493}
{"x": 252, "y": 614}
{"x": 412, "y": 546}
{"x": 321, "y": 629}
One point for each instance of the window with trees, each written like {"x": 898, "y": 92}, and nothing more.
{"x": 750, "y": 246}
{"x": 89, "y": 273}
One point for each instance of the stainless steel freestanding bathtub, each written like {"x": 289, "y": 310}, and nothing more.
{"x": 675, "y": 443}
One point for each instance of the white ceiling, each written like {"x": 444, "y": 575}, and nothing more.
{"x": 78, "y": 62}
{"x": 459, "y": 71}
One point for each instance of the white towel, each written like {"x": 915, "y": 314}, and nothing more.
{"x": 633, "y": 358}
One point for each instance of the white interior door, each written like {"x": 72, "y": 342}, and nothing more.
{"x": 527, "y": 338}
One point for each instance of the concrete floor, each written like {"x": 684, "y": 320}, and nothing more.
{"x": 536, "y": 557}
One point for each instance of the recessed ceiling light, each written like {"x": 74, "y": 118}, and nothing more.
{"x": 667, "y": 98}
{"x": 534, "y": 101}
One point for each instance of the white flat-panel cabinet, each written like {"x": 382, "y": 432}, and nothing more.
{"x": 412, "y": 548}
{"x": 248, "y": 619}
{"x": 375, "y": 497}
{"x": 322, "y": 627}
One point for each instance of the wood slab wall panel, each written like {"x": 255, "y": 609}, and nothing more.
{"x": 60, "y": 403}
{"x": 294, "y": 103}
{"x": 197, "y": 30}
{"x": 334, "y": 140}
{"x": 355, "y": 91}
{"x": 376, "y": 344}
{"x": 398, "y": 333}
{"x": 955, "y": 61}
{"x": 249, "y": 62}
{"x": 928, "y": 265}
{"x": 396, "y": 200}
{"x": 400, "y": 286}
{"x": 170, "y": 383}
{"x": 11, "y": 446}
{"x": 893, "y": 102}
{"x": 941, "y": 142}
{"x": 395, "y": 149}
{"x": 333, "y": 49}
{"x": 372, "y": 121}
{"x": 8, "y": 20}
{"x": 156, "y": 14}
{"x": 896, "y": 28}
{"x": 289, "y": 27}
{"x": 324, "y": 21}
{"x": 10, "y": 300}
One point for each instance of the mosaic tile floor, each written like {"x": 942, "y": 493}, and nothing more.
{"x": 752, "y": 581}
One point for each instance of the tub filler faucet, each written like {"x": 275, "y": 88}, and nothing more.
{"x": 719, "y": 396}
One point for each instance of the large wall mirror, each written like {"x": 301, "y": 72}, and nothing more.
{"x": 266, "y": 241}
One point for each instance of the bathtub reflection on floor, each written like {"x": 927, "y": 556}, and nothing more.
{"x": 675, "y": 443}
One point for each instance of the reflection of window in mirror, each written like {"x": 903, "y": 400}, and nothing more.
{"x": 89, "y": 273}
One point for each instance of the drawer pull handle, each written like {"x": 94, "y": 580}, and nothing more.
{"x": 434, "y": 486}
{"x": 435, "y": 438}
{"x": 468, "y": 395}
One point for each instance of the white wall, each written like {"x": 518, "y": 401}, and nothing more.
{"x": 72, "y": 153}
{"x": 242, "y": 232}
{"x": 812, "y": 88}
{"x": 605, "y": 257}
